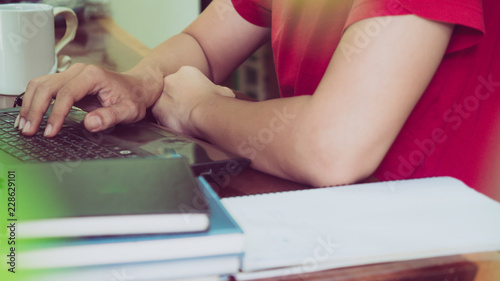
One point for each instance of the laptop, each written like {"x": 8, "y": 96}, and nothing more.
{"x": 142, "y": 139}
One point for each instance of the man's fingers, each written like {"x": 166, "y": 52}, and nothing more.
{"x": 47, "y": 85}
{"x": 106, "y": 117}
{"x": 68, "y": 88}
{"x": 46, "y": 93}
{"x": 29, "y": 123}
{"x": 122, "y": 104}
{"x": 59, "y": 112}
{"x": 85, "y": 82}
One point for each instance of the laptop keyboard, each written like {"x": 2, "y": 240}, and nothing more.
{"x": 71, "y": 144}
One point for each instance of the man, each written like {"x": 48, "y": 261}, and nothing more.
{"x": 372, "y": 87}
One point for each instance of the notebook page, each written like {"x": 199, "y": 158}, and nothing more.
{"x": 317, "y": 229}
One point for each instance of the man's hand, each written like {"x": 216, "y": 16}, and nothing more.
{"x": 124, "y": 97}
{"x": 182, "y": 92}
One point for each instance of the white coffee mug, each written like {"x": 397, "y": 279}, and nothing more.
{"x": 27, "y": 44}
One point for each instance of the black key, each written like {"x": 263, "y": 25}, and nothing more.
{"x": 4, "y": 146}
{"x": 26, "y": 147}
{"x": 39, "y": 154}
{"x": 90, "y": 157}
{"x": 110, "y": 155}
{"x": 36, "y": 150}
{"x": 17, "y": 143}
{"x": 19, "y": 153}
{"x": 47, "y": 159}
{"x": 26, "y": 158}
{"x": 115, "y": 148}
{"x": 10, "y": 139}
{"x": 11, "y": 150}
{"x": 100, "y": 151}
{"x": 11, "y": 129}
{"x": 9, "y": 118}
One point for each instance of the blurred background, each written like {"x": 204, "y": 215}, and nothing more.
{"x": 153, "y": 21}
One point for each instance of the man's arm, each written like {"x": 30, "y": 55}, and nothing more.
{"x": 215, "y": 43}
{"x": 341, "y": 133}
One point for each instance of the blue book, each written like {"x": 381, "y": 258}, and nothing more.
{"x": 224, "y": 237}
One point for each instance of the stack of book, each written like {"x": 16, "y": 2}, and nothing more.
{"x": 153, "y": 221}
{"x": 140, "y": 219}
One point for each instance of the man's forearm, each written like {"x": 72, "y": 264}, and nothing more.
{"x": 180, "y": 50}
{"x": 261, "y": 131}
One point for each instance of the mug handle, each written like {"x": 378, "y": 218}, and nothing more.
{"x": 63, "y": 62}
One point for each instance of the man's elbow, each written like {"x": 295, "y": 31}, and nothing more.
{"x": 325, "y": 167}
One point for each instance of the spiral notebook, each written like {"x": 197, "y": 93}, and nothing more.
{"x": 302, "y": 231}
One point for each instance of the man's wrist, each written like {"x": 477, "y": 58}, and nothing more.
{"x": 148, "y": 83}
{"x": 200, "y": 116}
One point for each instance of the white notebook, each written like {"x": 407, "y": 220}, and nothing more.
{"x": 317, "y": 229}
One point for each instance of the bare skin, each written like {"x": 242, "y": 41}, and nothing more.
{"x": 339, "y": 135}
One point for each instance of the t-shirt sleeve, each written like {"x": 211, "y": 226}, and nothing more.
{"x": 467, "y": 15}
{"x": 254, "y": 11}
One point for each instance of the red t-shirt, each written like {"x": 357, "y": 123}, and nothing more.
{"x": 449, "y": 132}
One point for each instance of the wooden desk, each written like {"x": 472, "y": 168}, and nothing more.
{"x": 105, "y": 44}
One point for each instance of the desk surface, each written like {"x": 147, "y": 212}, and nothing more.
{"x": 105, "y": 44}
